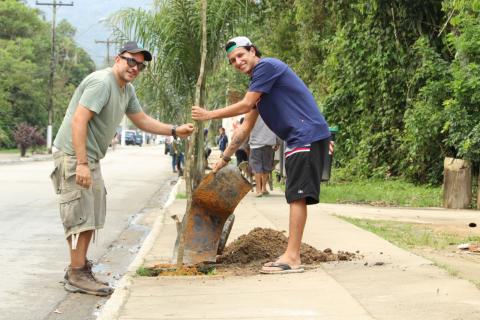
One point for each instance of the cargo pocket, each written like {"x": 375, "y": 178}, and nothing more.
{"x": 70, "y": 167}
{"x": 72, "y": 212}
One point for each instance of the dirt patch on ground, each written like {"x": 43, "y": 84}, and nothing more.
{"x": 454, "y": 246}
{"x": 460, "y": 230}
{"x": 459, "y": 263}
{"x": 246, "y": 255}
{"x": 463, "y": 263}
{"x": 249, "y": 252}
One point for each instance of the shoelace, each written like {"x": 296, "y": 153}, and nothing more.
{"x": 88, "y": 267}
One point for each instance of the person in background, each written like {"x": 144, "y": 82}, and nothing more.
{"x": 169, "y": 149}
{"x": 242, "y": 153}
{"x": 207, "y": 148}
{"x": 178, "y": 146}
{"x": 222, "y": 140}
{"x": 114, "y": 141}
{"x": 263, "y": 143}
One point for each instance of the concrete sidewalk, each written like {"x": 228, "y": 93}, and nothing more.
{"x": 387, "y": 283}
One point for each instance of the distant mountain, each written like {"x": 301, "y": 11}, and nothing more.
{"x": 85, "y": 16}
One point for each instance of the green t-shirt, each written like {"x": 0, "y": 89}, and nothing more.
{"x": 100, "y": 93}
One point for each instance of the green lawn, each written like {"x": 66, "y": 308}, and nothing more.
{"x": 381, "y": 193}
{"x": 391, "y": 192}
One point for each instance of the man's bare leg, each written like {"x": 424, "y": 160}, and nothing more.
{"x": 258, "y": 183}
{"x": 264, "y": 182}
{"x": 298, "y": 218}
{"x": 78, "y": 257}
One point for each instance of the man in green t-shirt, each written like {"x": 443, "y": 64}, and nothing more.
{"x": 95, "y": 110}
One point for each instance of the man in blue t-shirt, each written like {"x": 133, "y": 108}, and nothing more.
{"x": 290, "y": 111}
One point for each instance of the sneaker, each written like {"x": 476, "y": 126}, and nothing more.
{"x": 89, "y": 265}
{"x": 82, "y": 280}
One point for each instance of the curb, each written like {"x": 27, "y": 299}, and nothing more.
{"x": 23, "y": 160}
{"x": 117, "y": 299}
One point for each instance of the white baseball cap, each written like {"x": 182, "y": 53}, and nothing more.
{"x": 236, "y": 42}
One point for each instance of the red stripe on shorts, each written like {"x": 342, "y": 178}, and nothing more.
{"x": 296, "y": 150}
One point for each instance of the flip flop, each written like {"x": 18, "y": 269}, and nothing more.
{"x": 271, "y": 264}
{"x": 282, "y": 269}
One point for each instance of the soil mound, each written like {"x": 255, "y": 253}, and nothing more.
{"x": 262, "y": 245}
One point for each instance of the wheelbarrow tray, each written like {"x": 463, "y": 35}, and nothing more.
{"x": 213, "y": 201}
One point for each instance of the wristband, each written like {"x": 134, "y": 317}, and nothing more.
{"x": 80, "y": 163}
{"x": 226, "y": 158}
{"x": 174, "y": 132}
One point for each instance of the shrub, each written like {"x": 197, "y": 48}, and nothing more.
{"x": 27, "y": 136}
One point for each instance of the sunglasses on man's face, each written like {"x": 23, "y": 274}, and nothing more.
{"x": 132, "y": 63}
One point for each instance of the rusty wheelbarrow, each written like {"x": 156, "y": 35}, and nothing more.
{"x": 211, "y": 216}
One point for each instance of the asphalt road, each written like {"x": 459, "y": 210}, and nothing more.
{"x": 33, "y": 251}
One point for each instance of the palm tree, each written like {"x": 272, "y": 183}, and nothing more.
{"x": 176, "y": 78}
{"x": 172, "y": 31}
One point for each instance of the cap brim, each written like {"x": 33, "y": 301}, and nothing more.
{"x": 146, "y": 54}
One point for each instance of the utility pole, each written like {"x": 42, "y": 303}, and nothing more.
{"x": 54, "y": 5}
{"x": 108, "y": 42}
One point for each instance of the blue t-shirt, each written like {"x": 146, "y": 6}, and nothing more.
{"x": 222, "y": 142}
{"x": 286, "y": 105}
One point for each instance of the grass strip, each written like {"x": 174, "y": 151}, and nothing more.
{"x": 181, "y": 195}
{"x": 381, "y": 193}
{"x": 377, "y": 192}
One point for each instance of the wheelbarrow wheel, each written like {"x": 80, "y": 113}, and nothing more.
{"x": 227, "y": 227}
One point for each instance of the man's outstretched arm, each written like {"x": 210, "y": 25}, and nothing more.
{"x": 245, "y": 105}
{"x": 146, "y": 123}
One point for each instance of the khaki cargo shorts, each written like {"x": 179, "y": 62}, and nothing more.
{"x": 81, "y": 209}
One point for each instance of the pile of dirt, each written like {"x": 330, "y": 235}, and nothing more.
{"x": 246, "y": 255}
{"x": 263, "y": 245}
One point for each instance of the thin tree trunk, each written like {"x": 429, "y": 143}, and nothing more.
{"x": 195, "y": 154}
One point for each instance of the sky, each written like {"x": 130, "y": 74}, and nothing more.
{"x": 85, "y": 15}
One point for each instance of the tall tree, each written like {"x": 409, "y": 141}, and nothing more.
{"x": 463, "y": 108}
{"x": 172, "y": 31}
{"x": 195, "y": 152}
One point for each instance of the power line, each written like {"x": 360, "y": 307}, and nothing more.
{"x": 54, "y": 5}
{"x": 108, "y": 42}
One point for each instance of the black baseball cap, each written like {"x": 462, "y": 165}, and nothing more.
{"x": 133, "y": 47}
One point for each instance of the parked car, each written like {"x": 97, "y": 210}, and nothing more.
{"x": 139, "y": 139}
{"x": 130, "y": 137}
